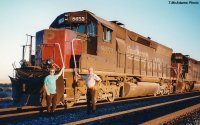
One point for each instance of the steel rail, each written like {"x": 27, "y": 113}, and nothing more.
{"x": 164, "y": 119}
{"x": 19, "y": 111}
{"x": 128, "y": 111}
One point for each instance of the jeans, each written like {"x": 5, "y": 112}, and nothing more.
{"x": 91, "y": 100}
{"x": 51, "y": 102}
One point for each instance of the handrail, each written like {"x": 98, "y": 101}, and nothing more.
{"x": 75, "y": 66}
{"x": 60, "y": 53}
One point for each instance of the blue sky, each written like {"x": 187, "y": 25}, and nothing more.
{"x": 174, "y": 25}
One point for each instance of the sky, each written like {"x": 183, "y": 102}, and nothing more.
{"x": 173, "y": 25}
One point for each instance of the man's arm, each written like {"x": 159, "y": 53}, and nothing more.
{"x": 46, "y": 89}
{"x": 79, "y": 75}
{"x": 61, "y": 71}
{"x": 97, "y": 78}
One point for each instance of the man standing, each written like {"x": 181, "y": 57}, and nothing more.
{"x": 90, "y": 81}
{"x": 50, "y": 87}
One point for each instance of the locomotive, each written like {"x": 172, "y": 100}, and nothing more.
{"x": 129, "y": 64}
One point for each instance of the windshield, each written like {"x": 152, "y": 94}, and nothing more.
{"x": 76, "y": 23}
{"x": 78, "y": 28}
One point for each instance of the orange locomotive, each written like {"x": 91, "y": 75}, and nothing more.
{"x": 129, "y": 64}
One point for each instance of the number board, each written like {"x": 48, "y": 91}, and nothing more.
{"x": 78, "y": 19}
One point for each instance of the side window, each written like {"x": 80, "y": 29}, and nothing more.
{"x": 92, "y": 29}
{"x": 107, "y": 34}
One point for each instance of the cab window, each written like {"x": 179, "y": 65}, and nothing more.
{"x": 91, "y": 28}
{"x": 107, "y": 34}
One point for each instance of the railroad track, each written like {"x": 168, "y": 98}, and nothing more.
{"x": 130, "y": 116}
{"x": 105, "y": 113}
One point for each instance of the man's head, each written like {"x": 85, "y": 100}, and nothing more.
{"x": 90, "y": 70}
{"x": 52, "y": 71}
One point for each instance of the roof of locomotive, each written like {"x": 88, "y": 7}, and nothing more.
{"x": 194, "y": 60}
{"x": 104, "y": 22}
{"x": 112, "y": 24}
{"x": 188, "y": 57}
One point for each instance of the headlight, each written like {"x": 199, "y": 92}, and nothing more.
{"x": 49, "y": 62}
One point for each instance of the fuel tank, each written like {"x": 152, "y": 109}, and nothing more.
{"x": 196, "y": 87}
{"x": 140, "y": 89}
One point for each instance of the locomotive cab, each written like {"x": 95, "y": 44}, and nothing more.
{"x": 81, "y": 22}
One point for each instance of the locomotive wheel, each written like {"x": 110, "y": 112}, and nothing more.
{"x": 111, "y": 98}
{"x": 69, "y": 104}
{"x": 168, "y": 92}
{"x": 171, "y": 89}
{"x": 162, "y": 92}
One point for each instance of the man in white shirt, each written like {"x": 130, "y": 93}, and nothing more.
{"x": 90, "y": 80}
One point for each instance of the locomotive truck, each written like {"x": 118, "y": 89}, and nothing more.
{"x": 129, "y": 64}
